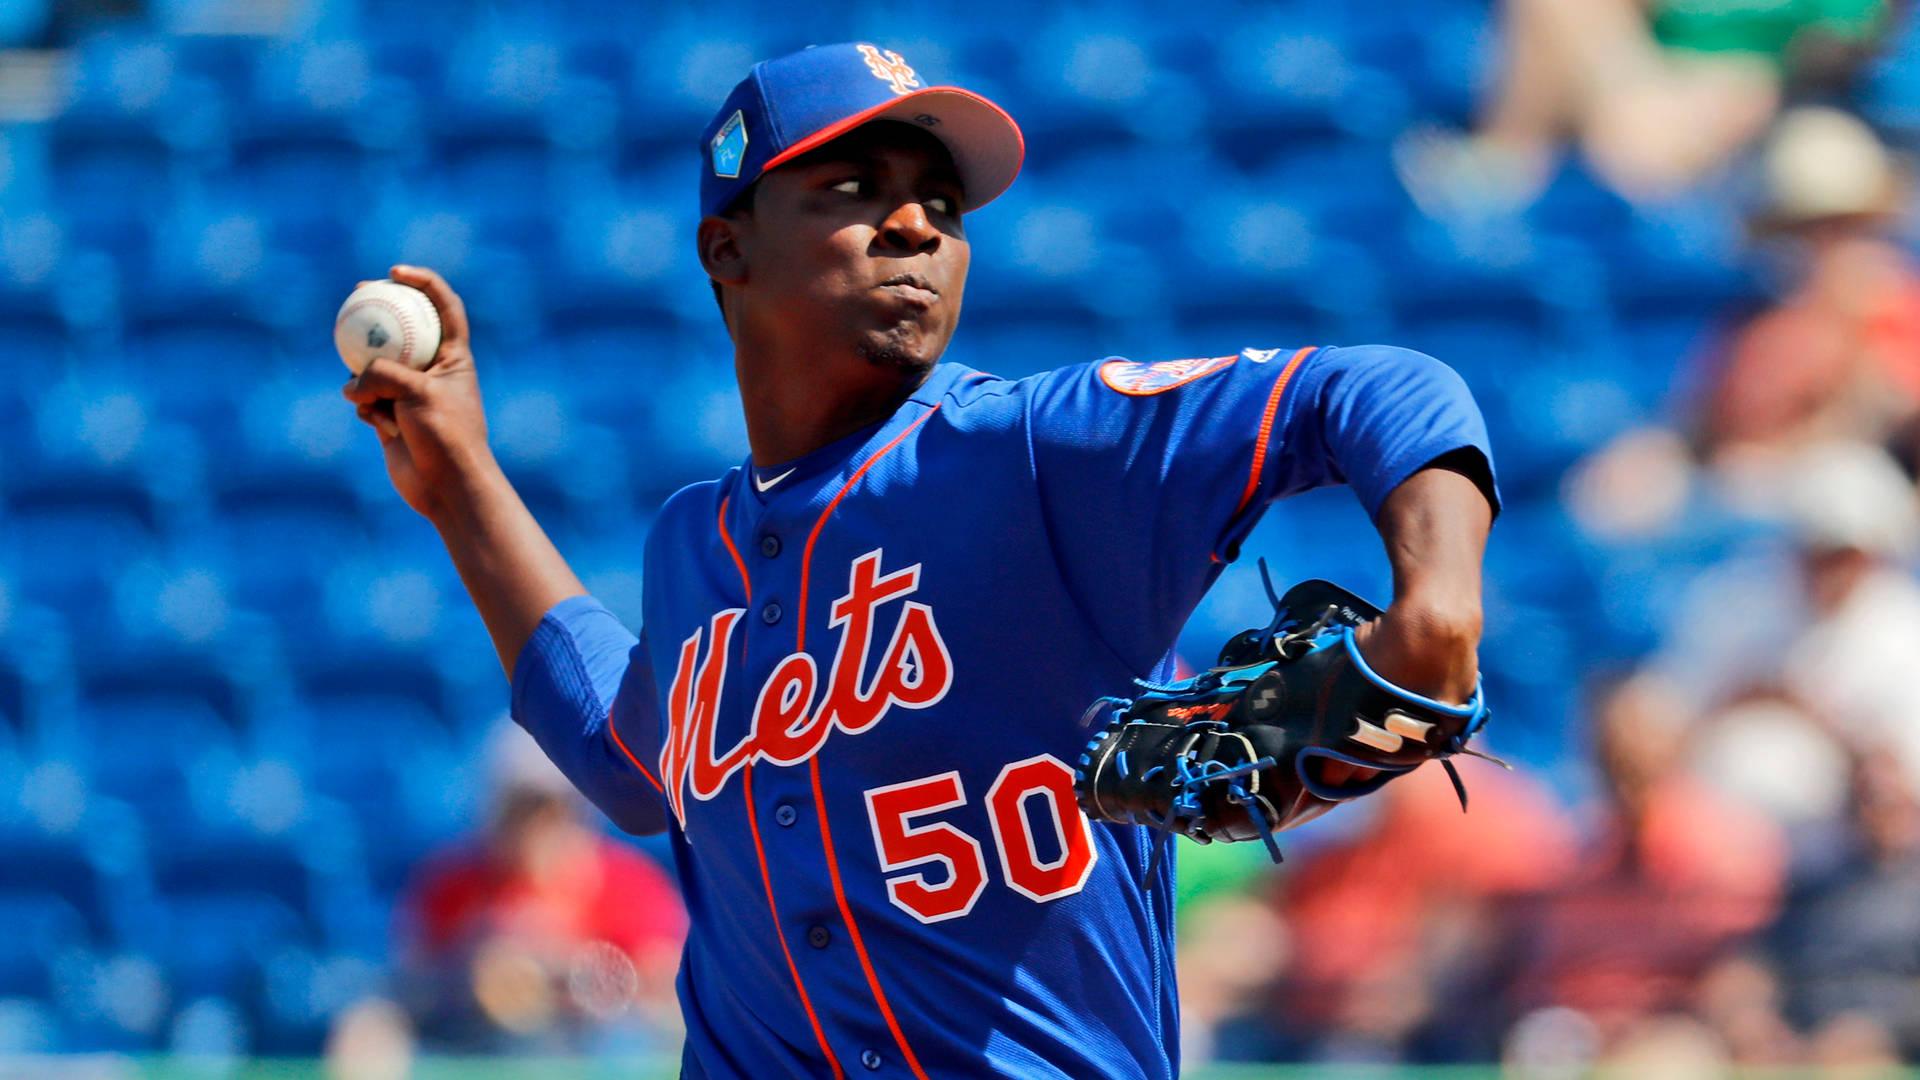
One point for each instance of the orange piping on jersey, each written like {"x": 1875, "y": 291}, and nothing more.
{"x": 779, "y": 931}
{"x": 1266, "y": 428}
{"x": 759, "y": 849}
{"x": 742, "y": 566}
{"x": 806, "y": 556}
{"x": 813, "y": 765}
{"x": 727, "y": 539}
{"x": 621, "y": 743}
{"x": 853, "y": 928}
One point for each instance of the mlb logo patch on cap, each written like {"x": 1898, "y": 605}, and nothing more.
{"x": 806, "y": 99}
{"x": 730, "y": 146}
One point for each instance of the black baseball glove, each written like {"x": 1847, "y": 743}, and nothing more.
{"x": 1236, "y": 753}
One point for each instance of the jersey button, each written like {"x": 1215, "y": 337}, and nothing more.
{"x": 819, "y": 936}
{"x": 769, "y": 545}
{"x": 785, "y": 814}
{"x": 770, "y": 614}
{"x": 870, "y": 1058}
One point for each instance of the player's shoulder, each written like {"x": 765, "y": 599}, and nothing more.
{"x": 1376, "y": 353}
{"x": 1379, "y": 368}
{"x": 692, "y": 507}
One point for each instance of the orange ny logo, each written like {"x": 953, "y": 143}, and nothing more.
{"x": 891, "y": 68}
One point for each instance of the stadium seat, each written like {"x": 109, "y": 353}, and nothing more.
{"x": 215, "y": 941}
{"x": 39, "y": 347}
{"x": 1892, "y": 93}
{"x": 63, "y": 557}
{"x": 34, "y": 863}
{"x": 156, "y": 753}
{"x": 40, "y": 925}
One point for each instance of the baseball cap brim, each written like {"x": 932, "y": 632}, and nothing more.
{"x": 986, "y": 144}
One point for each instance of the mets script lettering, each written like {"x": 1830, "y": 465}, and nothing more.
{"x": 792, "y": 717}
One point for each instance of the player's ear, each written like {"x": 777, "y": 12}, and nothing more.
{"x": 722, "y": 255}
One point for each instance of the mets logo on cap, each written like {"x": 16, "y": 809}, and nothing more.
{"x": 889, "y": 67}
{"x": 1138, "y": 379}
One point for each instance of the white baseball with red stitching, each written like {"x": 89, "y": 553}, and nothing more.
{"x": 385, "y": 319}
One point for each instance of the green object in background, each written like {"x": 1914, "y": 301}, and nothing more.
{"x": 1211, "y": 869}
{"x": 1763, "y": 27}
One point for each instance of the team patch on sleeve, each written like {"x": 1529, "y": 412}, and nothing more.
{"x": 1138, "y": 379}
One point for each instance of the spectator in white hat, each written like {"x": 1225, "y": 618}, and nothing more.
{"x": 1838, "y": 356}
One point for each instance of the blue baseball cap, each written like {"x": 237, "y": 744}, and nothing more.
{"x": 788, "y": 106}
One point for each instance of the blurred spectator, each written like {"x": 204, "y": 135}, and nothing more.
{"x": 1672, "y": 1046}
{"x": 1656, "y": 92}
{"x": 1740, "y": 999}
{"x": 1832, "y": 622}
{"x": 1838, "y": 357}
{"x": 1848, "y": 944}
{"x": 544, "y": 936}
{"x": 1390, "y": 929}
{"x": 1676, "y": 877}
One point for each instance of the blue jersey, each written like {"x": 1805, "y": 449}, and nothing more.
{"x": 858, "y": 696}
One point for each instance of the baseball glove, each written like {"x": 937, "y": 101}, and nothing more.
{"x": 1237, "y": 752}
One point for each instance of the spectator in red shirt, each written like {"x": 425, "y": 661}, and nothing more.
{"x": 1678, "y": 877}
{"x": 542, "y": 935}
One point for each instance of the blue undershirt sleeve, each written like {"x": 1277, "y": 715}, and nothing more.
{"x": 579, "y": 680}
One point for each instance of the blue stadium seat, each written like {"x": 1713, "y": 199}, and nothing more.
{"x": 225, "y": 864}
{"x": 302, "y": 171}
{"x": 63, "y": 556}
{"x": 151, "y": 751}
{"x": 278, "y": 533}
{"x": 40, "y": 925}
{"x": 682, "y": 70}
{"x": 107, "y": 170}
{"x": 304, "y": 992}
{"x": 39, "y": 864}
{"x": 1576, "y": 204}
{"x": 1346, "y": 189}
{"x": 1891, "y": 97}
{"x": 39, "y": 348}
{"x": 1666, "y": 273}
{"x": 225, "y": 348}
{"x": 215, "y": 942}
{"x": 227, "y": 61}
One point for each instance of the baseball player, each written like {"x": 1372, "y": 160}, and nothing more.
{"x": 856, "y": 701}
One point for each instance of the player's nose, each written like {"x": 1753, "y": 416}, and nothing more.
{"x": 908, "y": 230}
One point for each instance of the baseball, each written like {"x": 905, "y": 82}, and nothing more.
{"x": 390, "y": 320}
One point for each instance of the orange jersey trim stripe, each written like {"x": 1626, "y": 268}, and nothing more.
{"x": 819, "y": 797}
{"x": 853, "y": 928}
{"x": 806, "y": 556}
{"x": 1266, "y": 428}
{"x": 779, "y": 931}
{"x": 727, "y": 539}
{"x": 621, "y": 743}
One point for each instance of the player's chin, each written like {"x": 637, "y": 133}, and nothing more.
{"x": 909, "y": 347}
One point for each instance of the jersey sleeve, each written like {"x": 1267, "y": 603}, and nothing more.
{"x": 1154, "y": 473}
{"x": 580, "y": 681}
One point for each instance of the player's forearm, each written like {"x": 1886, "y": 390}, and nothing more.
{"x": 509, "y": 566}
{"x": 1435, "y": 528}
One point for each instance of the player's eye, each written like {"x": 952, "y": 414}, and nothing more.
{"x": 848, "y": 187}
{"x": 944, "y": 204}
